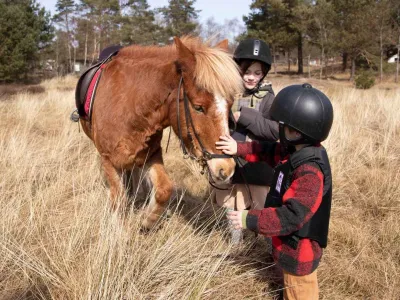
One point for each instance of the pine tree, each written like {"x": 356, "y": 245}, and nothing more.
{"x": 25, "y": 31}
{"x": 396, "y": 30}
{"x": 180, "y": 17}
{"x": 322, "y": 30}
{"x": 281, "y": 23}
{"x": 355, "y": 22}
{"x": 85, "y": 37}
{"x": 138, "y": 26}
{"x": 65, "y": 10}
{"x": 104, "y": 17}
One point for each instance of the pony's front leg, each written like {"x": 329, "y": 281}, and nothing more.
{"x": 115, "y": 180}
{"x": 161, "y": 193}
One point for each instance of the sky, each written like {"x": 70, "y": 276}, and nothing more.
{"x": 219, "y": 9}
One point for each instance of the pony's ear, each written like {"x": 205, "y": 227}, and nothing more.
{"x": 186, "y": 59}
{"x": 224, "y": 45}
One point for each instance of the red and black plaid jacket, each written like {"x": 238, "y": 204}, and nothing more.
{"x": 300, "y": 202}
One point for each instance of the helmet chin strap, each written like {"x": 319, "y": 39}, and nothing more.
{"x": 287, "y": 142}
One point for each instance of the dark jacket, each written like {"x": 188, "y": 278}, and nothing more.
{"x": 255, "y": 123}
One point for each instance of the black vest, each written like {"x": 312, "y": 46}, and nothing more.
{"x": 317, "y": 227}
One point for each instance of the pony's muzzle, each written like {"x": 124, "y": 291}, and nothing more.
{"x": 222, "y": 169}
{"x": 222, "y": 175}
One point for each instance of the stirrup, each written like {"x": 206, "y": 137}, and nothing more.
{"x": 74, "y": 116}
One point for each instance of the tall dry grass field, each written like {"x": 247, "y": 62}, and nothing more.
{"x": 58, "y": 239}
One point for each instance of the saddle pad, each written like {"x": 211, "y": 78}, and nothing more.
{"x": 86, "y": 87}
{"x": 92, "y": 91}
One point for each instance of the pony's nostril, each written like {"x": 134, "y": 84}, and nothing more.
{"x": 222, "y": 174}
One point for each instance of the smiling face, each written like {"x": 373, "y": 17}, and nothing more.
{"x": 252, "y": 75}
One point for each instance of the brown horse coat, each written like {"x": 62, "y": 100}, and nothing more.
{"x": 136, "y": 100}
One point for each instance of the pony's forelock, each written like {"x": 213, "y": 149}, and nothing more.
{"x": 215, "y": 70}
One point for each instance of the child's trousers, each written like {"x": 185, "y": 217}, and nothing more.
{"x": 237, "y": 196}
{"x": 300, "y": 287}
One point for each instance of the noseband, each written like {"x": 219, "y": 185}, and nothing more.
{"x": 205, "y": 155}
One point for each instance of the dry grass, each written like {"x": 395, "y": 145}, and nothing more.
{"x": 12, "y": 89}
{"x": 58, "y": 239}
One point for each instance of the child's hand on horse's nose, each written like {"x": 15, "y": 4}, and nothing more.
{"x": 227, "y": 144}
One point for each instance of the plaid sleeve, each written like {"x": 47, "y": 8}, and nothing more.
{"x": 259, "y": 151}
{"x": 300, "y": 202}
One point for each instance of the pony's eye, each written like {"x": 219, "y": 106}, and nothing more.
{"x": 198, "y": 108}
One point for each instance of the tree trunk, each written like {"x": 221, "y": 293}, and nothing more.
{"x": 300, "y": 54}
{"x": 273, "y": 49}
{"x": 397, "y": 63}
{"x": 94, "y": 48}
{"x": 86, "y": 46}
{"x": 73, "y": 70}
{"x": 309, "y": 72}
{"x": 322, "y": 62}
{"x": 344, "y": 61}
{"x": 326, "y": 66}
{"x": 381, "y": 53}
{"x": 57, "y": 62}
{"x": 353, "y": 68}
{"x": 68, "y": 43}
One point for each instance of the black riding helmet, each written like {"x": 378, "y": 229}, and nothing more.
{"x": 253, "y": 49}
{"x": 304, "y": 109}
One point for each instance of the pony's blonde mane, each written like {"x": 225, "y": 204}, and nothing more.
{"x": 215, "y": 70}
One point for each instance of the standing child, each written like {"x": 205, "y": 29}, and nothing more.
{"x": 252, "y": 121}
{"x": 297, "y": 208}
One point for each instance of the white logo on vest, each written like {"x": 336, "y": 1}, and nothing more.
{"x": 279, "y": 182}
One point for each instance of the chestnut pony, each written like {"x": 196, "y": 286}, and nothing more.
{"x": 137, "y": 98}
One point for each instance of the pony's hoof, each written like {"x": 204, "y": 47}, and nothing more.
{"x": 144, "y": 230}
{"x": 149, "y": 222}
{"x": 146, "y": 225}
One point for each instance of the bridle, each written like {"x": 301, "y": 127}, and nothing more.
{"x": 205, "y": 155}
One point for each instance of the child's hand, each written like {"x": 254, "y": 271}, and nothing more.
{"x": 227, "y": 144}
{"x": 236, "y": 219}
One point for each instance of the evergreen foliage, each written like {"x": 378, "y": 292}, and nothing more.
{"x": 180, "y": 17}
{"x": 25, "y": 31}
{"x": 364, "y": 80}
{"x": 282, "y": 23}
{"x": 359, "y": 30}
{"x": 65, "y": 10}
{"x": 138, "y": 25}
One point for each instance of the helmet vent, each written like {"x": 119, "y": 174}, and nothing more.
{"x": 256, "y": 48}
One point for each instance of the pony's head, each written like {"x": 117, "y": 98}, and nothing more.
{"x": 211, "y": 79}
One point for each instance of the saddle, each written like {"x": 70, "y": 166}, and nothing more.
{"x": 86, "y": 89}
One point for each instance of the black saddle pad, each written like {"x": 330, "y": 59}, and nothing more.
{"x": 83, "y": 86}
{"x": 84, "y": 82}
